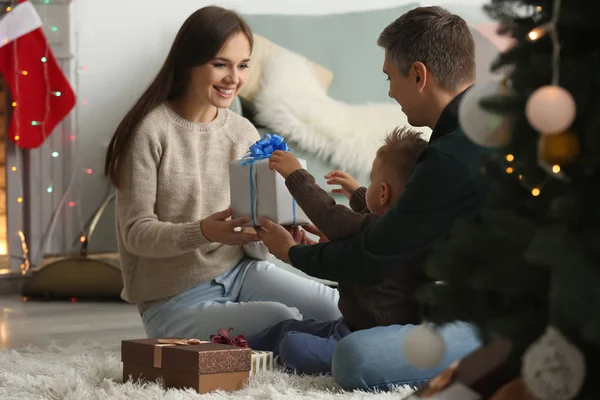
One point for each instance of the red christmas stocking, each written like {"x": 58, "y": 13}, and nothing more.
{"x": 42, "y": 95}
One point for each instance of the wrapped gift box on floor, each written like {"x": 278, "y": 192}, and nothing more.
{"x": 261, "y": 361}
{"x": 203, "y": 367}
{"x": 142, "y": 359}
{"x": 256, "y": 191}
{"x": 206, "y": 367}
{"x": 475, "y": 377}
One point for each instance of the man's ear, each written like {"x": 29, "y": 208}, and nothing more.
{"x": 420, "y": 75}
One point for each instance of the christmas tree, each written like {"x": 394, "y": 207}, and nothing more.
{"x": 527, "y": 267}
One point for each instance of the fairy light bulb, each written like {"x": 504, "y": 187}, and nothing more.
{"x": 54, "y": 28}
{"x": 55, "y": 154}
{"x": 535, "y": 192}
{"x": 72, "y": 137}
{"x": 520, "y": 177}
{"x": 14, "y": 103}
{"x": 20, "y": 200}
{"x": 44, "y": 59}
{"x": 57, "y": 94}
{"x": 71, "y": 204}
{"x": 49, "y": 190}
{"x": 24, "y": 72}
{"x": 556, "y": 169}
{"x": 17, "y": 137}
{"x": 82, "y": 239}
{"x": 34, "y": 123}
{"x": 13, "y": 169}
{"x": 509, "y": 170}
{"x": 89, "y": 171}
{"x": 510, "y": 158}
{"x": 539, "y": 8}
{"x": 8, "y": 8}
{"x": 536, "y": 33}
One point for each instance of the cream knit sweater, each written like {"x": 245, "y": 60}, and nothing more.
{"x": 175, "y": 175}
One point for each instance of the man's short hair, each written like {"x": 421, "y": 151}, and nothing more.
{"x": 439, "y": 39}
{"x": 400, "y": 151}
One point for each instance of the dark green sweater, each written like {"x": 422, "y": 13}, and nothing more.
{"x": 446, "y": 185}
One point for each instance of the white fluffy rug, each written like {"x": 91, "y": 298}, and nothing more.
{"x": 293, "y": 104}
{"x": 93, "y": 372}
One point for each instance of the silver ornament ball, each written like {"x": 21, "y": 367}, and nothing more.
{"x": 482, "y": 127}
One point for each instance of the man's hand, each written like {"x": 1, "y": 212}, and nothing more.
{"x": 348, "y": 183}
{"x": 284, "y": 162}
{"x": 277, "y": 239}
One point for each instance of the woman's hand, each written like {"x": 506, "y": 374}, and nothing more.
{"x": 348, "y": 183}
{"x": 221, "y": 229}
{"x": 284, "y": 162}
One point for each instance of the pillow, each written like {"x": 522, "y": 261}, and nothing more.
{"x": 262, "y": 51}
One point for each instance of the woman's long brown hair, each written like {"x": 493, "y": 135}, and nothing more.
{"x": 198, "y": 41}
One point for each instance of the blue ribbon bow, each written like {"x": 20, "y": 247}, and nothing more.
{"x": 264, "y": 148}
{"x": 261, "y": 150}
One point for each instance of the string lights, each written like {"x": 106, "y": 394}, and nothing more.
{"x": 551, "y": 111}
{"x": 24, "y": 73}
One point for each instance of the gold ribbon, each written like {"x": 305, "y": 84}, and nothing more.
{"x": 182, "y": 342}
{"x": 171, "y": 342}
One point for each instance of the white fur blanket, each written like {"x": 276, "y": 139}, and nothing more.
{"x": 292, "y": 103}
{"x": 93, "y": 371}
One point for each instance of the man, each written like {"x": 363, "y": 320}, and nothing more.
{"x": 430, "y": 63}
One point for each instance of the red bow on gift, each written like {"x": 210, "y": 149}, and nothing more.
{"x": 223, "y": 338}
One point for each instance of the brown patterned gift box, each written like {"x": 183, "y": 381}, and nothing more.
{"x": 204, "y": 367}
{"x": 142, "y": 359}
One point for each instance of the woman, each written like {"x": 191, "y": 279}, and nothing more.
{"x": 184, "y": 263}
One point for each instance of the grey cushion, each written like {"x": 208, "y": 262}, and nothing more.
{"x": 346, "y": 44}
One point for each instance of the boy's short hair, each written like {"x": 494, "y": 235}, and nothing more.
{"x": 439, "y": 39}
{"x": 400, "y": 151}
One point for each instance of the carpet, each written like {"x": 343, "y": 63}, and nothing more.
{"x": 292, "y": 103}
{"x": 85, "y": 371}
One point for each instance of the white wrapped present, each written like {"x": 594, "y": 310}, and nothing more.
{"x": 256, "y": 191}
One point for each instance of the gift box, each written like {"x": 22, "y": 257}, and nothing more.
{"x": 475, "y": 377}
{"x": 256, "y": 191}
{"x": 261, "y": 361}
{"x": 204, "y": 367}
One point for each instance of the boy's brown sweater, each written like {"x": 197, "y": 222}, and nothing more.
{"x": 387, "y": 301}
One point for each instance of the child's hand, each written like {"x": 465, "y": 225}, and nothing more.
{"x": 284, "y": 162}
{"x": 348, "y": 184}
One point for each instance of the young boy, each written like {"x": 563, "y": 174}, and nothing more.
{"x": 307, "y": 346}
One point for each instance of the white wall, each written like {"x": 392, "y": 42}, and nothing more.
{"x": 121, "y": 44}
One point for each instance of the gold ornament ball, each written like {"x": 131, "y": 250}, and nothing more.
{"x": 561, "y": 149}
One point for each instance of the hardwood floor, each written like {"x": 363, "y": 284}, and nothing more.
{"x": 39, "y": 323}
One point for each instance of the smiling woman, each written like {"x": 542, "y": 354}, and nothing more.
{"x": 184, "y": 263}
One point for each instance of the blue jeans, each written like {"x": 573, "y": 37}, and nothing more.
{"x": 372, "y": 358}
{"x": 250, "y": 297}
{"x": 305, "y": 347}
